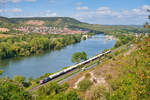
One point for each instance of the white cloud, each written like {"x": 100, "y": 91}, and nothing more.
{"x": 3, "y": 1}
{"x": 50, "y": 14}
{"x": 15, "y": 10}
{"x": 1, "y": 10}
{"x": 82, "y": 8}
{"x": 104, "y": 10}
{"x": 105, "y": 15}
{"x": 51, "y": 1}
{"x": 146, "y": 7}
{"x": 30, "y": 0}
{"x": 79, "y": 3}
{"x": 53, "y": 15}
{"x": 15, "y": 1}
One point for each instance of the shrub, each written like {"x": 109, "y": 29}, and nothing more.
{"x": 87, "y": 75}
{"x": 98, "y": 93}
{"x": 84, "y": 85}
{"x": 10, "y": 90}
{"x": 19, "y": 79}
{"x": 1, "y": 71}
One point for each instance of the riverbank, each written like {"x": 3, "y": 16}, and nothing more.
{"x": 27, "y": 45}
{"x": 54, "y": 61}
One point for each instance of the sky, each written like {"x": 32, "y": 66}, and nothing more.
{"x": 108, "y": 12}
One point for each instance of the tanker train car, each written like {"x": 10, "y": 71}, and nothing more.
{"x": 72, "y": 68}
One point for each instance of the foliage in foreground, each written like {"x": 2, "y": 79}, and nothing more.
{"x": 15, "y": 90}
{"x": 135, "y": 82}
{"x": 54, "y": 91}
{"x": 10, "y": 90}
{"x": 84, "y": 85}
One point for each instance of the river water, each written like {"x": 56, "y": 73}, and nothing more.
{"x": 51, "y": 62}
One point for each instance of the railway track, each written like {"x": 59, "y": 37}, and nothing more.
{"x": 66, "y": 79}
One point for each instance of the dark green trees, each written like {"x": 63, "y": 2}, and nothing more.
{"x": 53, "y": 91}
{"x": 78, "y": 56}
{"x": 10, "y": 90}
{"x": 147, "y": 24}
{"x": 26, "y": 45}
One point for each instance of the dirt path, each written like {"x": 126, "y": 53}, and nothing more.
{"x": 76, "y": 83}
{"x": 104, "y": 72}
{"x": 131, "y": 50}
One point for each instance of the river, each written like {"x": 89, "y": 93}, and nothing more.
{"x": 51, "y": 62}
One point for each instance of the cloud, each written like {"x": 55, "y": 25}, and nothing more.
{"x": 103, "y": 10}
{"x": 146, "y": 7}
{"x": 16, "y": 10}
{"x": 82, "y": 8}
{"x": 1, "y": 10}
{"x": 51, "y": 1}
{"x": 105, "y": 15}
{"x": 30, "y": 0}
{"x": 50, "y": 14}
{"x": 79, "y": 3}
{"x": 15, "y": 1}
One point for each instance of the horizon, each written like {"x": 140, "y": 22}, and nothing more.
{"x": 78, "y": 20}
{"x": 114, "y": 12}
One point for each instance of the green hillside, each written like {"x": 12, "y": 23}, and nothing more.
{"x": 6, "y": 22}
{"x": 67, "y": 22}
{"x": 49, "y": 21}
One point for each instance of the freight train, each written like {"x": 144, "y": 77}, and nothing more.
{"x": 51, "y": 77}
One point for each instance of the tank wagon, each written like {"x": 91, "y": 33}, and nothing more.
{"x": 72, "y": 68}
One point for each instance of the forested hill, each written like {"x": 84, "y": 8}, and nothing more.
{"x": 44, "y": 21}
{"x": 67, "y": 22}
{"x": 6, "y": 22}
{"x": 50, "y": 19}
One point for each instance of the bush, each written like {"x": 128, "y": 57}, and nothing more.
{"x": 84, "y": 85}
{"x": 10, "y": 90}
{"x": 87, "y": 75}
{"x": 71, "y": 95}
{"x": 19, "y": 79}
{"x": 1, "y": 71}
{"x": 98, "y": 93}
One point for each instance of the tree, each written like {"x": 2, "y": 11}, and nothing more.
{"x": 70, "y": 95}
{"x": 19, "y": 79}
{"x": 10, "y": 90}
{"x": 147, "y": 24}
{"x": 78, "y": 56}
{"x": 1, "y": 71}
{"x": 83, "y": 55}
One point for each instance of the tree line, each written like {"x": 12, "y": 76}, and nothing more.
{"x": 26, "y": 45}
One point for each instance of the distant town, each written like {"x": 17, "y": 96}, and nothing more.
{"x": 49, "y": 30}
